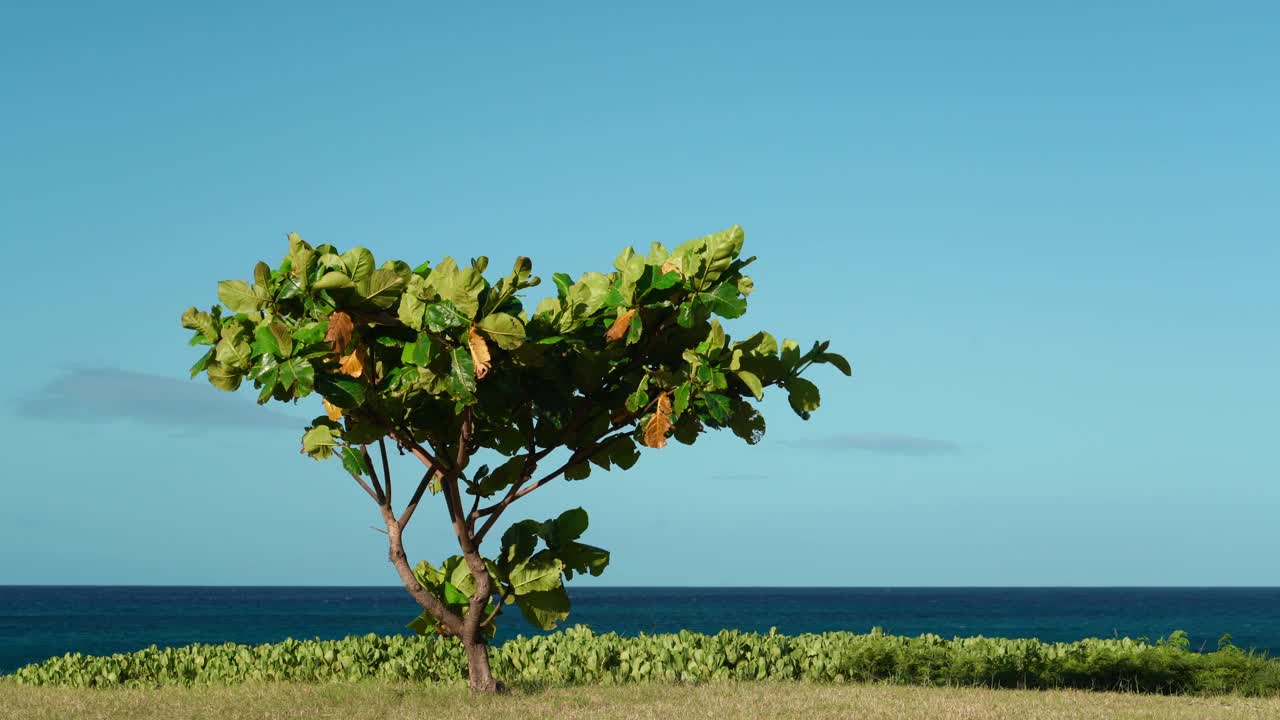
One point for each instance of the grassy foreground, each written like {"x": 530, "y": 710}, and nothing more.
{"x": 718, "y": 701}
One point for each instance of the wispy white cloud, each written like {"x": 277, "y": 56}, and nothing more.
{"x": 108, "y": 394}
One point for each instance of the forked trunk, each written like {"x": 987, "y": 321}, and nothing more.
{"x": 479, "y": 674}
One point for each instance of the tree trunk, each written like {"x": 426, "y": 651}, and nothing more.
{"x": 478, "y": 672}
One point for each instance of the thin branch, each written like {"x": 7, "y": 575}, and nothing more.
{"x": 386, "y": 467}
{"x": 368, "y": 463}
{"x": 425, "y": 457}
{"x": 423, "y": 484}
{"x": 366, "y": 487}
{"x": 450, "y": 483}
{"x": 497, "y": 608}
{"x": 582, "y": 455}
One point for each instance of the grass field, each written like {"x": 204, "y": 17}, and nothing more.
{"x": 745, "y": 701}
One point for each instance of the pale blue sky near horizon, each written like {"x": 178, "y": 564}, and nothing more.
{"x": 1044, "y": 234}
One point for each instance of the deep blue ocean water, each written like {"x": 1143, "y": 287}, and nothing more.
{"x": 39, "y": 622}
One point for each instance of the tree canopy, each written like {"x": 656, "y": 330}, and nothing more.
{"x": 445, "y": 364}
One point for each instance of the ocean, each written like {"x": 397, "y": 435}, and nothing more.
{"x": 37, "y": 622}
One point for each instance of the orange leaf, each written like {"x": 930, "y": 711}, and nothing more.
{"x": 340, "y": 329}
{"x": 655, "y": 431}
{"x": 479, "y": 353}
{"x": 669, "y": 266}
{"x": 352, "y": 364}
{"x": 333, "y": 411}
{"x": 619, "y": 328}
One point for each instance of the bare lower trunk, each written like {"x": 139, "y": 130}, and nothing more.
{"x": 479, "y": 675}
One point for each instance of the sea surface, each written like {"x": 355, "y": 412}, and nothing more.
{"x": 42, "y": 621}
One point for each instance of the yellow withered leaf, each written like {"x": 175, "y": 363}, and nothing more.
{"x": 618, "y": 329}
{"x": 669, "y": 266}
{"x": 340, "y": 329}
{"x": 352, "y": 364}
{"x": 333, "y": 411}
{"x": 479, "y": 353}
{"x": 655, "y": 431}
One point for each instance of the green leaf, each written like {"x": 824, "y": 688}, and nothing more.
{"x": 359, "y": 263}
{"x": 203, "y": 323}
{"x": 505, "y": 330}
{"x": 332, "y": 280}
{"x": 579, "y": 558}
{"x": 284, "y": 341}
{"x": 381, "y": 287}
{"x": 233, "y": 354}
{"x": 424, "y": 624}
{"x": 544, "y": 609}
{"x": 578, "y": 471}
{"x": 790, "y": 354}
{"x": 662, "y": 280}
{"x": 353, "y": 461}
{"x": 711, "y": 255}
{"x": 637, "y": 400}
{"x": 202, "y": 363}
{"x": 752, "y": 382}
{"x": 539, "y": 573}
{"x": 623, "y": 452}
{"x": 264, "y": 342}
{"x": 563, "y": 283}
{"x": 747, "y": 422}
{"x": 724, "y": 301}
{"x": 519, "y": 542}
{"x": 803, "y": 396}
{"x": 419, "y": 352}
{"x": 454, "y": 596}
{"x": 717, "y": 407}
{"x": 682, "y": 399}
{"x": 341, "y": 390}
{"x": 502, "y": 477}
{"x": 411, "y": 310}
{"x": 568, "y": 527}
{"x": 298, "y": 374}
{"x": 444, "y": 315}
{"x": 223, "y": 378}
{"x": 687, "y": 314}
{"x": 463, "y": 370}
{"x": 238, "y": 296}
{"x": 318, "y": 442}
{"x": 833, "y": 359}
{"x": 262, "y": 274}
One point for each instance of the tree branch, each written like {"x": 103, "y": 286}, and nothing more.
{"x": 386, "y": 467}
{"x": 450, "y": 620}
{"x": 423, "y": 484}
{"x": 366, "y": 487}
{"x": 497, "y": 608}
{"x": 581, "y": 455}
{"x": 368, "y": 463}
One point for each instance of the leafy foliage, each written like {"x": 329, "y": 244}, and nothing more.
{"x": 438, "y": 356}
{"x": 577, "y": 656}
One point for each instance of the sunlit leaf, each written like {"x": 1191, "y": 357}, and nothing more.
{"x": 655, "y": 431}
{"x": 480, "y": 359}
{"x": 620, "y": 325}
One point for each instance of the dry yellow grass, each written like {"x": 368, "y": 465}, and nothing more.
{"x": 361, "y": 701}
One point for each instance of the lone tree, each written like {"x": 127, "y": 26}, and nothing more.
{"x": 439, "y": 363}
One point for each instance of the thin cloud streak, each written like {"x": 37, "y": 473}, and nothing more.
{"x": 109, "y": 394}
{"x": 880, "y": 443}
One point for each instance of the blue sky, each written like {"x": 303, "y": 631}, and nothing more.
{"x": 1046, "y": 236}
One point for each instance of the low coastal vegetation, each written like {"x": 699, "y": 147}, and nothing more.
{"x": 578, "y": 657}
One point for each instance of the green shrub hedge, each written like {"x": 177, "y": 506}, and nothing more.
{"x": 578, "y": 656}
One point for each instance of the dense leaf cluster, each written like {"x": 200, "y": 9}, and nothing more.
{"x": 577, "y": 656}
{"x": 438, "y": 360}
